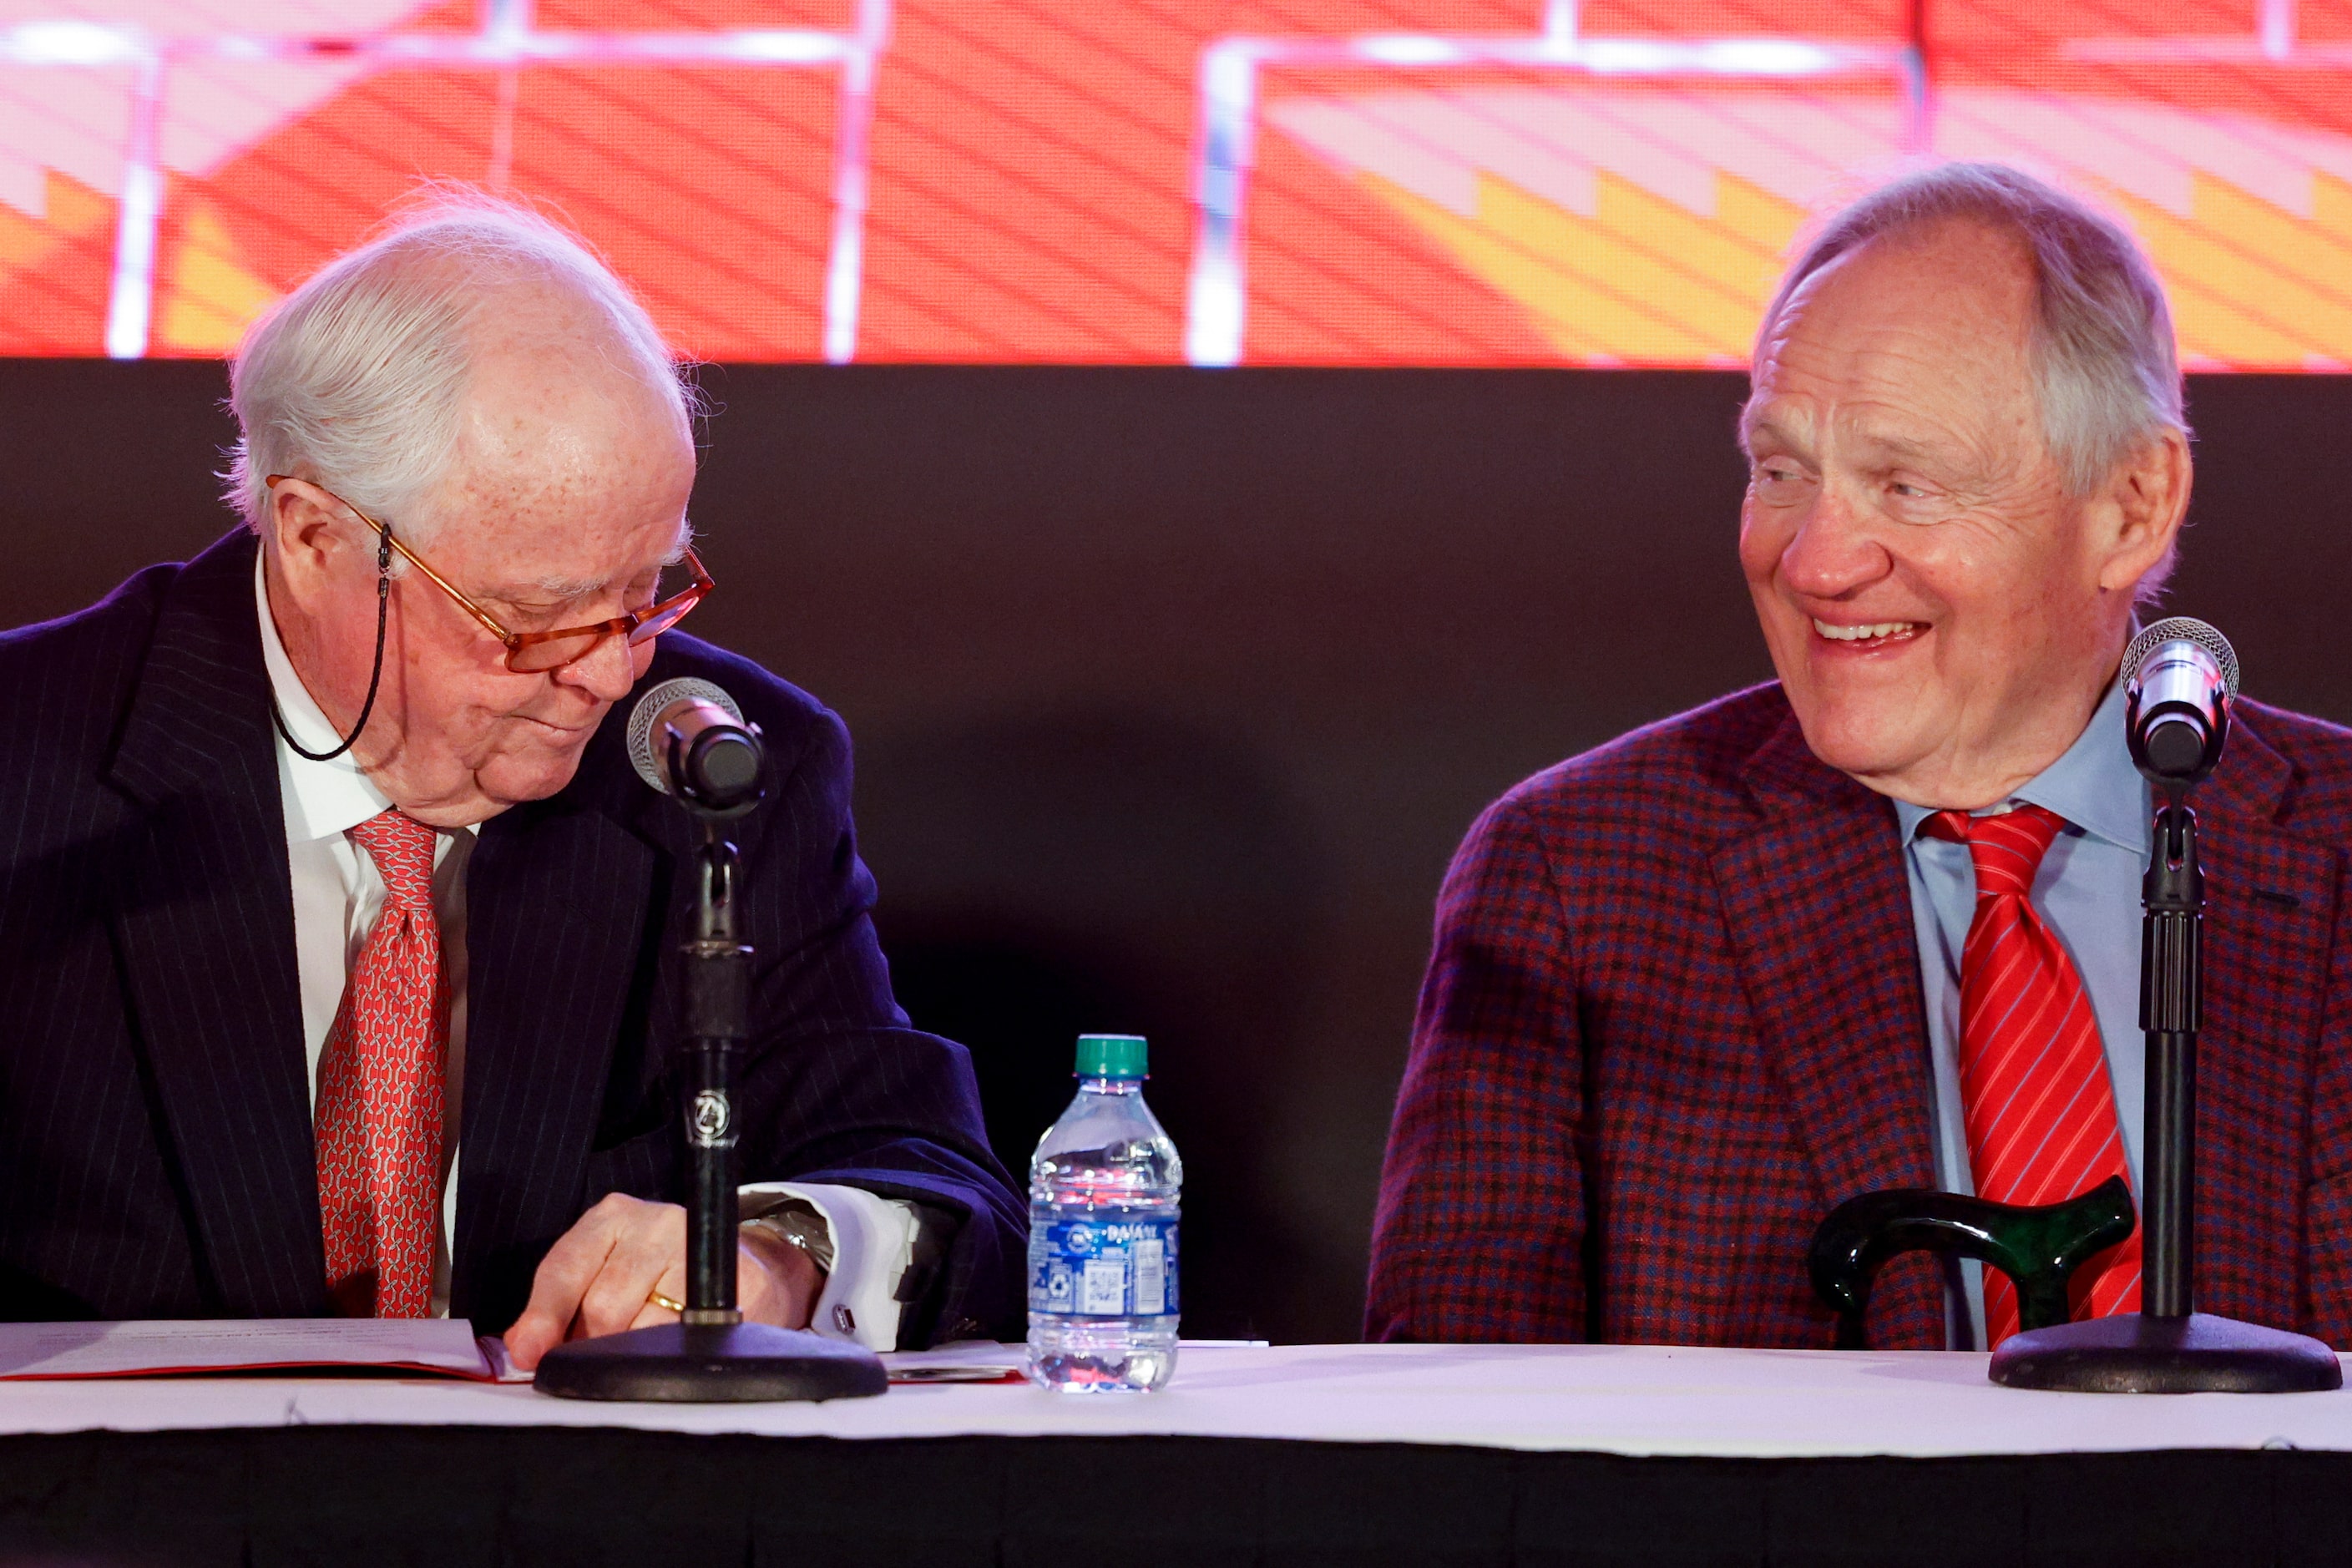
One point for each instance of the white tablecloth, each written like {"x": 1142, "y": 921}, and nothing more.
{"x": 1633, "y": 1401}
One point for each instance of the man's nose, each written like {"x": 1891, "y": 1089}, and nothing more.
{"x": 1834, "y": 551}
{"x": 604, "y": 672}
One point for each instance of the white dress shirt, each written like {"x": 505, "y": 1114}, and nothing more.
{"x": 338, "y": 893}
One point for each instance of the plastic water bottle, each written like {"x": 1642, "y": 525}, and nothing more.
{"x": 1102, "y": 1233}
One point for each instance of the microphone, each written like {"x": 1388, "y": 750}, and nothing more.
{"x": 688, "y": 739}
{"x": 2179, "y": 677}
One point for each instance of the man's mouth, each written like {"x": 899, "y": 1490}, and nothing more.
{"x": 1869, "y": 633}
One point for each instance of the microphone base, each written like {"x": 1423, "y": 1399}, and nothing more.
{"x": 731, "y": 1363}
{"x": 2135, "y": 1354}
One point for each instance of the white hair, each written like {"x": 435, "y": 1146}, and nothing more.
{"x": 355, "y": 380}
{"x": 2104, "y": 368}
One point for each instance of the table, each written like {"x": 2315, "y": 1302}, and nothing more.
{"x": 1325, "y": 1454}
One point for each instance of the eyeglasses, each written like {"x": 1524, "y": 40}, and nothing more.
{"x": 535, "y": 653}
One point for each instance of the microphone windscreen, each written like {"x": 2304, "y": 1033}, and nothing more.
{"x": 2183, "y": 628}
{"x": 647, "y": 715}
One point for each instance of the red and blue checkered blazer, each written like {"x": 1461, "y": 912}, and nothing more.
{"x": 1674, "y": 1016}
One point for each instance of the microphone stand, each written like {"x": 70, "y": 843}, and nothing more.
{"x": 2171, "y": 1011}
{"x": 2167, "y": 1347}
{"x": 711, "y": 1354}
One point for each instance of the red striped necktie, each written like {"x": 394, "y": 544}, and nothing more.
{"x": 379, "y": 1107}
{"x": 2033, "y": 1075}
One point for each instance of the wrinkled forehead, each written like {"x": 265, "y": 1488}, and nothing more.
{"x": 1939, "y": 321}
{"x": 541, "y": 568}
{"x": 566, "y": 555}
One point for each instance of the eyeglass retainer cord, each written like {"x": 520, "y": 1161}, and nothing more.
{"x": 375, "y": 677}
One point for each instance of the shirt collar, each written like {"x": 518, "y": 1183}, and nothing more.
{"x": 2094, "y": 786}
{"x": 322, "y": 799}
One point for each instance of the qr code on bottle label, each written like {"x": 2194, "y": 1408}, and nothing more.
{"x": 1106, "y": 1286}
{"x": 1106, "y": 1266}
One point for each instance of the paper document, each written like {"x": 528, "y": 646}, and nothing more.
{"x": 442, "y": 1346}
{"x": 986, "y": 1360}
{"x": 965, "y": 1361}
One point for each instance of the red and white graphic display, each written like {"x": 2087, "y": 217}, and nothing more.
{"x": 1302, "y": 181}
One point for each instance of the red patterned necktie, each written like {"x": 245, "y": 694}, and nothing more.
{"x": 379, "y": 1108}
{"x": 2033, "y": 1075}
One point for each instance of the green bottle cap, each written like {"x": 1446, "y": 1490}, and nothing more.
{"x": 1110, "y": 1056}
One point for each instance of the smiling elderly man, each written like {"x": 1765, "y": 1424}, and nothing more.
{"x": 1877, "y": 924}
{"x": 336, "y": 930}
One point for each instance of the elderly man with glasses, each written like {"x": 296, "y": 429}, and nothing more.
{"x": 335, "y": 925}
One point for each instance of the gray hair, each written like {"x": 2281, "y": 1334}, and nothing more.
{"x": 2104, "y": 368}
{"x": 355, "y": 380}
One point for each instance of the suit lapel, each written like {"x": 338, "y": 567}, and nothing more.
{"x": 557, "y": 900}
{"x": 2269, "y": 925}
{"x": 205, "y": 926}
{"x": 1818, "y": 910}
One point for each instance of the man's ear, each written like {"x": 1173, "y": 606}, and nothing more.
{"x": 312, "y": 532}
{"x": 2146, "y": 500}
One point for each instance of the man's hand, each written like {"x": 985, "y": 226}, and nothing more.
{"x": 601, "y": 1276}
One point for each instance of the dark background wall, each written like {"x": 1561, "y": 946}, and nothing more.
{"x": 1174, "y": 690}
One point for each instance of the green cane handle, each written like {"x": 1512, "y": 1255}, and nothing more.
{"x": 2038, "y": 1246}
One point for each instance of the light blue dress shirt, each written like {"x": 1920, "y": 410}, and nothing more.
{"x": 2088, "y": 894}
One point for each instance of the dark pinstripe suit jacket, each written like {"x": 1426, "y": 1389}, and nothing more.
{"x": 156, "y": 1144}
{"x": 1675, "y": 1015}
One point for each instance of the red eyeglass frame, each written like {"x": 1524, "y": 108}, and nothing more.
{"x": 637, "y": 625}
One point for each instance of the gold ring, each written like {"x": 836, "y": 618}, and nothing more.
{"x": 668, "y": 1304}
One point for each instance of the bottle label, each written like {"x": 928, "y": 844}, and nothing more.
{"x": 1106, "y": 1266}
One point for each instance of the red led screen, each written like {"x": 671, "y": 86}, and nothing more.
{"x": 1322, "y": 182}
